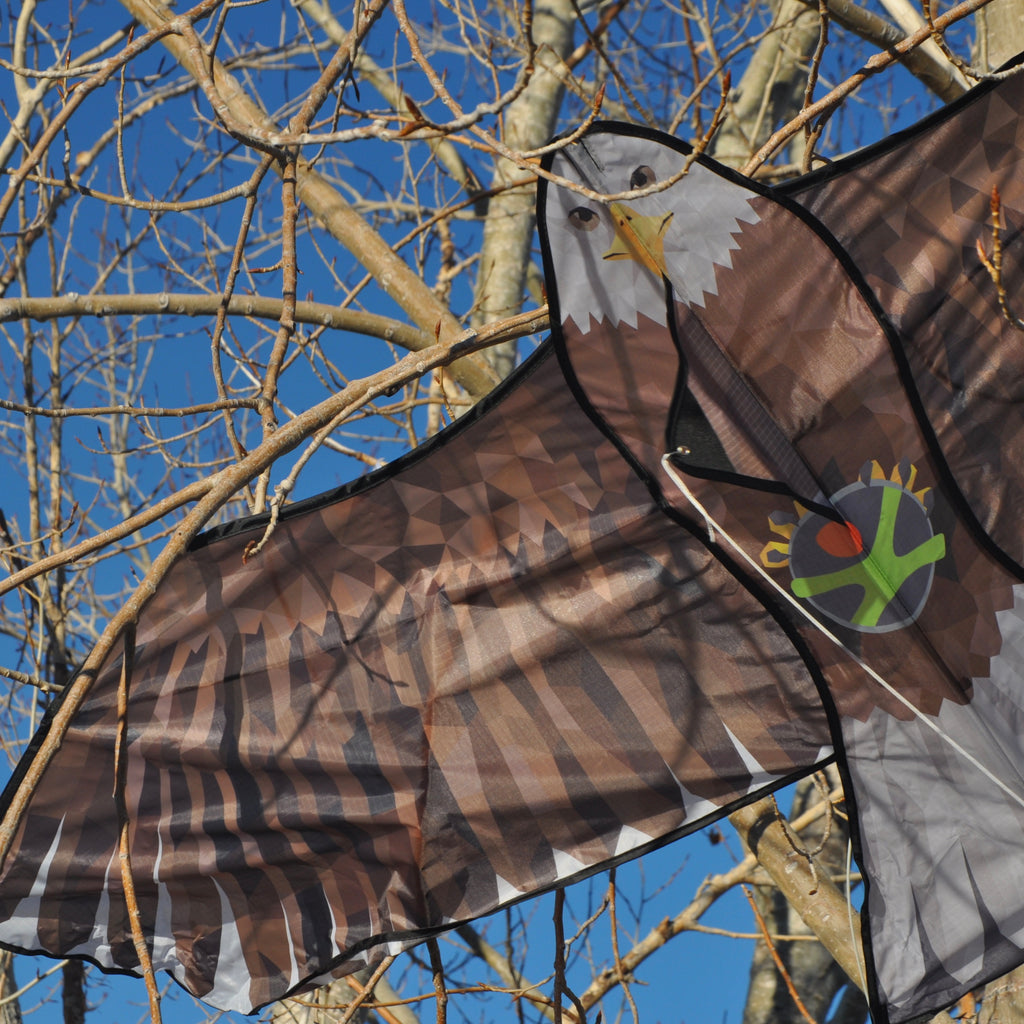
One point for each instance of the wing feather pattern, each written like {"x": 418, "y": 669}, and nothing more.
{"x": 498, "y": 667}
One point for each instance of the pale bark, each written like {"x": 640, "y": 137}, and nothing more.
{"x": 936, "y": 72}
{"x": 812, "y": 969}
{"x": 530, "y": 121}
{"x": 909, "y": 18}
{"x": 10, "y": 1007}
{"x": 1000, "y": 33}
{"x": 812, "y": 895}
{"x": 1002, "y": 1000}
{"x": 772, "y": 86}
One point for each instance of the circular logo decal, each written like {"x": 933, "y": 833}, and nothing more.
{"x": 870, "y": 568}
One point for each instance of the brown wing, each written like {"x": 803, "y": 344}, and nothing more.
{"x": 841, "y": 480}
{"x": 497, "y": 667}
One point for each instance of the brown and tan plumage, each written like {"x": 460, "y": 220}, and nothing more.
{"x": 518, "y": 655}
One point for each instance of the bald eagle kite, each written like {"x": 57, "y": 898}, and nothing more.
{"x": 755, "y": 507}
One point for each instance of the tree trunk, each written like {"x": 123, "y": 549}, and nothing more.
{"x": 813, "y": 971}
{"x": 1002, "y": 1000}
{"x": 771, "y": 90}
{"x": 73, "y": 997}
{"x": 10, "y": 1009}
{"x": 530, "y": 121}
{"x": 1000, "y": 33}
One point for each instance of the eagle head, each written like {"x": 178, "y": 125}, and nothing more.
{"x": 611, "y": 259}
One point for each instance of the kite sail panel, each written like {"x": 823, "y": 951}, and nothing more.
{"x": 802, "y": 414}
{"x": 487, "y": 673}
{"x": 522, "y": 656}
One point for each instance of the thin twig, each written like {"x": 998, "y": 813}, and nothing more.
{"x": 178, "y": 304}
{"x": 91, "y": 411}
{"x": 367, "y": 990}
{"x": 286, "y": 322}
{"x": 614, "y": 924}
{"x": 778, "y": 960}
{"x": 124, "y": 845}
{"x": 73, "y": 182}
{"x": 14, "y": 996}
{"x": 559, "y": 953}
{"x": 799, "y": 850}
{"x": 994, "y": 266}
{"x": 812, "y": 135}
{"x": 819, "y": 53}
{"x": 561, "y": 986}
{"x": 228, "y": 293}
{"x": 963, "y": 66}
{"x": 27, "y": 680}
{"x": 437, "y": 966}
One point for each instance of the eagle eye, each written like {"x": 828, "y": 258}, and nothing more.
{"x": 642, "y": 177}
{"x": 583, "y": 219}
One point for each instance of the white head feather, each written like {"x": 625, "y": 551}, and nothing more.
{"x": 706, "y": 212}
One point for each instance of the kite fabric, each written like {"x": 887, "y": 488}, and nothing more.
{"x": 524, "y": 653}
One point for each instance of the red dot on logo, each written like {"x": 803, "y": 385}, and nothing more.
{"x": 841, "y": 540}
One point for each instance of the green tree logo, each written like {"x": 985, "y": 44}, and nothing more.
{"x": 872, "y": 571}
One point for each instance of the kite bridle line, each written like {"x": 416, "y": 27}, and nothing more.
{"x": 714, "y": 528}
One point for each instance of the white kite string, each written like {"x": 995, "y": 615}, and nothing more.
{"x": 713, "y": 528}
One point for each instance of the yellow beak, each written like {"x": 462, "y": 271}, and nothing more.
{"x": 640, "y": 238}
